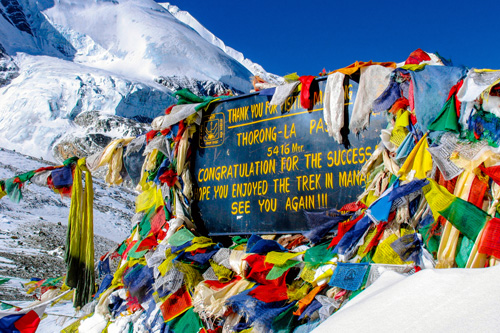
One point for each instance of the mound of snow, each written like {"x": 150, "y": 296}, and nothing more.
{"x": 432, "y": 300}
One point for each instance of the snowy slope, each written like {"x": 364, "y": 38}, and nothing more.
{"x": 135, "y": 38}
{"x": 38, "y": 107}
{"x": 33, "y": 231}
{"x": 446, "y": 300}
{"x": 121, "y": 58}
{"x": 140, "y": 37}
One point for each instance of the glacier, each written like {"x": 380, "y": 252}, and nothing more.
{"x": 117, "y": 58}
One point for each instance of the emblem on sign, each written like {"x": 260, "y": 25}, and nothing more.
{"x": 212, "y": 131}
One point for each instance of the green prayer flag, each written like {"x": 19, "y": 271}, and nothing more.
{"x": 464, "y": 250}
{"x": 13, "y": 190}
{"x": 5, "y": 306}
{"x": 318, "y": 255}
{"x": 431, "y": 242}
{"x": 285, "y": 322}
{"x": 466, "y": 217}
{"x": 145, "y": 224}
{"x": 133, "y": 251}
{"x": 180, "y": 237}
{"x": 122, "y": 248}
{"x": 52, "y": 282}
{"x": 159, "y": 159}
{"x": 447, "y": 120}
{"x": 278, "y": 271}
{"x": 25, "y": 176}
{"x": 185, "y": 96}
{"x": 189, "y": 322}
{"x": 70, "y": 160}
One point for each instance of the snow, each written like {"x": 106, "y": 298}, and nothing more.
{"x": 104, "y": 56}
{"x": 186, "y": 18}
{"x": 141, "y": 37}
{"x": 58, "y": 317}
{"x": 37, "y": 108}
{"x": 113, "y": 206}
{"x": 432, "y": 300}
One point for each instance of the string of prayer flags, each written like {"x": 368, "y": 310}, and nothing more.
{"x": 178, "y": 280}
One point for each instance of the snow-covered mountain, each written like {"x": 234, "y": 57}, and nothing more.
{"x": 188, "y": 19}
{"x": 121, "y": 58}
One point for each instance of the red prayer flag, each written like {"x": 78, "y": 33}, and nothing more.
{"x": 416, "y": 57}
{"x": 305, "y": 92}
{"x": 270, "y": 293}
{"x": 490, "y": 240}
{"x": 258, "y": 270}
{"x": 176, "y": 304}
{"x": 352, "y": 206}
{"x": 493, "y": 172}
{"x": 216, "y": 285}
{"x": 477, "y": 192}
{"x": 342, "y": 229}
{"x": 376, "y": 239}
{"x": 158, "y": 220}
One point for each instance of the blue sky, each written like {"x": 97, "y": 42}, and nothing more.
{"x": 307, "y": 36}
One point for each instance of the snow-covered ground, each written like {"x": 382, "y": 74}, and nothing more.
{"x": 113, "y": 206}
{"x": 33, "y": 231}
{"x": 432, "y": 300}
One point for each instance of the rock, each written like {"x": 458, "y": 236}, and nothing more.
{"x": 96, "y": 130}
{"x": 8, "y": 69}
{"x": 198, "y": 87}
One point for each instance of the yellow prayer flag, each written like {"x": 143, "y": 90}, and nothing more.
{"x": 402, "y": 118}
{"x": 197, "y": 246}
{"x": 386, "y": 255}
{"x": 438, "y": 197}
{"x": 419, "y": 160}
{"x": 149, "y": 198}
{"x": 280, "y": 258}
{"x": 367, "y": 240}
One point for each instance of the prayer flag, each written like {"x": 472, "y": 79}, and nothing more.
{"x": 349, "y": 276}
{"x": 24, "y": 321}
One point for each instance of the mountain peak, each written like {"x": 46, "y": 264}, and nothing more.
{"x": 189, "y": 20}
{"x": 121, "y": 58}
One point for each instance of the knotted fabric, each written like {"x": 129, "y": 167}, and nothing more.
{"x": 80, "y": 237}
{"x": 305, "y": 92}
{"x": 333, "y": 105}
